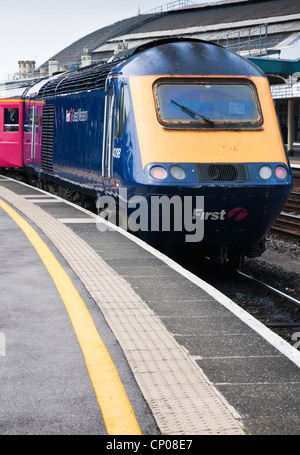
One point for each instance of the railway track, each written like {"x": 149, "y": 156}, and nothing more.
{"x": 295, "y": 303}
{"x": 293, "y": 203}
{"x": 288, "y": 223}
{"x": 280, "y": 312}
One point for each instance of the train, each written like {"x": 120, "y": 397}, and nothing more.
{"x": 179, "y": 135}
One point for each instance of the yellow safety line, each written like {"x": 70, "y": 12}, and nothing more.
{"x": 117, "y": 412}
{"x": 11, "y": 100}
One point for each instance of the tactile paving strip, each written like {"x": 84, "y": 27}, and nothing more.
{"x": 182, "y": 399}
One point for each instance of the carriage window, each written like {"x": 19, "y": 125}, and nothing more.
{"x": 122, "y": 112}
{"x": 11, "y": 119}
{"x": 207, "y": 104}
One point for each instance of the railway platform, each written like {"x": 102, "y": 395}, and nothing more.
{"x": 102, "y": 334}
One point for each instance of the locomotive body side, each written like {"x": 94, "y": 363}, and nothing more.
{"x": 77, "y": 141}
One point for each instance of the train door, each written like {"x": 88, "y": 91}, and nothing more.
{"x": 32, "y": 114}
{"x": 30, "y": 133}
{"x": 108, "y": 136}
{"x": 11, "y": 132}
{"x": 117, "y": 111}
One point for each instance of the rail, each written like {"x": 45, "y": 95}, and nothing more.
{"x": 288, "y": 224}
{"x": 287, "y": 298}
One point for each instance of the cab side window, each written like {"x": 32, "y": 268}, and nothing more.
{"x": 11, "y": 119}
{"x": 122, "y": 112}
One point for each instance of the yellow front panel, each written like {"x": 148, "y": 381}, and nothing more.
{"x": 158, "y": 144}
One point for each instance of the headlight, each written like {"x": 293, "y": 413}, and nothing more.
{"x": 280, "y": 172}
{"x": 265, "y": 172}
{"x": 177, "y": 172}
{"x": 158, "y": 172}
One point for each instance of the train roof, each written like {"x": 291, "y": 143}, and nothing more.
{"x": 168, "y": 56}
{"x": 184, "y": 56}
{"x": 16, "y": 89}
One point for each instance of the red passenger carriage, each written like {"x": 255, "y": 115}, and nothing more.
{"x": 12, "y": 107}
{"x": 11, "y": 132}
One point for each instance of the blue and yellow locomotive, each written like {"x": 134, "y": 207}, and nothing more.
{"x": 183, "y": 119}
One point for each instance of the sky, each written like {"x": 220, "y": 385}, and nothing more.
{"x": 37, "y": 30}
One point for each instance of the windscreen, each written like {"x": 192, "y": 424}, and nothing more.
{"x": 208, "y": 104}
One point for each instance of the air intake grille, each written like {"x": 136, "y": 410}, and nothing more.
{"x": 214, "y": 172}
{"x": 77, "y": 81}
{"x": 47, "y": 138}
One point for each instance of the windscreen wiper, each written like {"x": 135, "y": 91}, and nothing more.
{"x": 193, "y": 113}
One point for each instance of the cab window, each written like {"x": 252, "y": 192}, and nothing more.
{"x": 208, "y": 104}
{"x": 122, "y": 112}
{"x": 11, "y": 119}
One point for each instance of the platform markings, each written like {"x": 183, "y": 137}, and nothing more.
{"x": 37, "y": 196}
{"x": 275, "y": 340}
{"x": 77, "y": 220}
{"x": 43, "y": 201}
{"x": 116, "y": 410}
